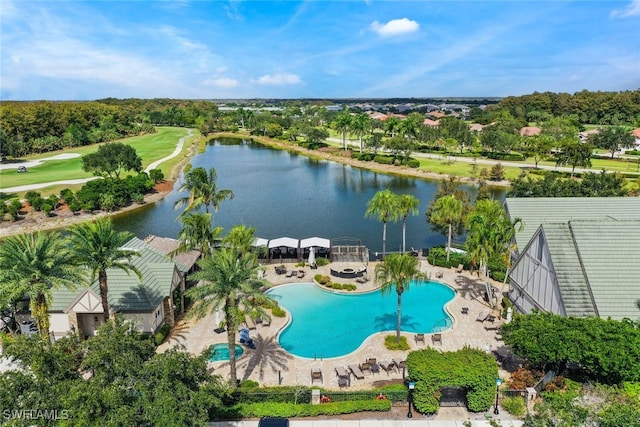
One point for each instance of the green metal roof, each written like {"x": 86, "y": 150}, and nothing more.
{"x": 128, "y": 293}
{"x": 534, "y": 211}
{"x": 597, "y": 262}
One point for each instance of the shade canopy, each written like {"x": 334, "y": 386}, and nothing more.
{"x": 259, "y": 241}
{"x": 284, "y": 241}
{"x": 315, "y": 241}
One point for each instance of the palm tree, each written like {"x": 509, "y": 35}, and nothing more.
{"x": 203, "y": 191}
{"x": 99, "y": 247}
{"x": 391, "y": 126}
{"x": 240, "y": 238}
{"x": 490, "y": 232}
{"x": 447, "y": 210}
{"x": 383, "y": 206}
{"x": 360, "y": 126}
{"x": 229, "y": 281}
{"x": 197, "y": 233}
{"x": 408, "y": 205}
{"x": 343, "y": 124}
{"x": 32, "y": 265}
{"x": 397, "y": 271}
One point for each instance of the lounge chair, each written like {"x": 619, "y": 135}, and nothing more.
{"x": 419, "y": 338}
{"x": 402, "y": 364}
{"x": 366, "y": 367}
{"x": 490, "y": 318}
{"x": 439, "y": 274}
{"x": 301, "y": 274}
{"x": 373, "y": 366}
{"x": 482, "y": 316}
{"x": 356, "y": 371}
{"x": 316, "y": 374}
{"x": 460, "y": 268}
{"x": 250, "y": 323}
{"x": 436, "y": 338}
{"x": 387, "y": 366}
{"x": 344, "y": 379}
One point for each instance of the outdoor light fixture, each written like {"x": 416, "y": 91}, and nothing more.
{"x": 498, "y": 382}
{"x": 412, "y": 386}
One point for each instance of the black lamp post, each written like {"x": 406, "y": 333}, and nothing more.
{"x": 412, "y": 385}
{"x": 498, "y": 382}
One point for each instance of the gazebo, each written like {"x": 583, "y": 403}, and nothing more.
{"x": 283, "y": 247}
{"x": 321, "y": 246}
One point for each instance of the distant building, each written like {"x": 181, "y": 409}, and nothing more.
{"x": 577, "y": 256}
{"x": 530, "y": 131}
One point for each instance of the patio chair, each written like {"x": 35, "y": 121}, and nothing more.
{"x": 356, "y": 371}
{"x": 402, "y": 364}
{"x": 365, "y": 367}
{"x": 465, "y": 310}
{"x": 387, "y": 366}
{"x": 250, "y": 323}
{"x": 482, "y": 316}
{"x": 436, "y": 338}
{"x": 460, "y": 268}
{"x": 419, "y": 338}
{"x": 344, "y": 379}
{"x": 301, "y": 274}
{"x": 316, "y": 374}
{"x": 373, "y": 366}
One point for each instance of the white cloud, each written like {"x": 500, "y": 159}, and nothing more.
{"x": 632, "y": 9}
{"x": 279, "y": 79}
{"x": 221, "y": 82}
{"x": 395, "y": 27}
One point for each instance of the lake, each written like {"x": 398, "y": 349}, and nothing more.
{"x": 281, "y": 193}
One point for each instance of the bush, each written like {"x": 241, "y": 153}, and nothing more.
{"x": 438, "y": 257}
{"x": 321, "y": 262}
{"x": 156, "y": 175}
{"x": 291, "y": 410}
{"x": 162, "y": 334}
{"x": 514, "y": 405}
{"x": 412, "y": 163}
{"x": 322, "y": 280}
{"x": 383, "y": 160}
{"x": 391, "y": 343}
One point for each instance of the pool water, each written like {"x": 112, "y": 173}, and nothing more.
{"x": 327, "y": 324}
{"x": 221, "y": 352}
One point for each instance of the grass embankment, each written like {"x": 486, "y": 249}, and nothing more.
{"x": 150, "y": 147}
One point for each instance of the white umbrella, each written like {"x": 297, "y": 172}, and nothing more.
{"x": 312, "y": 256}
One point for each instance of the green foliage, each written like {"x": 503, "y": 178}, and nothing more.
{"x": 321, "y": 261}
{"x": 471, "y": 369}
{"x": 603, "y": 350}
{"x": 383, "y": 159}
{"x": 162, "y": 334}
{"x": 514, "y": 405}
{"x": 392, "y": 343}
{"x": 290, "y": 410}
{"x": 412, "y": 163}
{"x": 156, "y": 175}
{"x": 588, "y": 404}
{"x": 554, "y": 185}
{"x": 438, "y": 256}
{"x": 322, "y": 280}
{"x": 111, "y": 160}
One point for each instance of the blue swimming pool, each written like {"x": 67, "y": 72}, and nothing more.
{"x": 221, "y": 352}
{"x": 327, "y": 324}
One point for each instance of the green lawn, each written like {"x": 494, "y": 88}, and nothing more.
{"x": 150, "y": 148}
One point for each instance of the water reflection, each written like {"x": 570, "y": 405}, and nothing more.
{"x": 285, "y": 194}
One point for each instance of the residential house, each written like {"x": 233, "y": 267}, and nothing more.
{"x": 577, "y": 256}
{"x": 530, "y": 131}
{"x": 148, "y": 301}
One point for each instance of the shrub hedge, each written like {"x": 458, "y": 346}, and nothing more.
{"x": 289, "y": 410}
{"x": 471, "y": 369}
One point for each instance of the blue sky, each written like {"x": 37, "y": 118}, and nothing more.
{"x": 67, "y": 50}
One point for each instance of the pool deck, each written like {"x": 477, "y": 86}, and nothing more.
{"x": 270, "y": 365}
